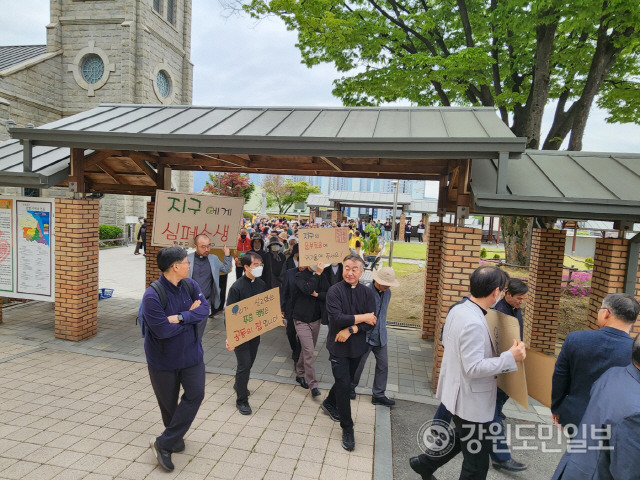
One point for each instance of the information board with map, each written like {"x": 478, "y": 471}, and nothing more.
{"x": 26, "y": 248}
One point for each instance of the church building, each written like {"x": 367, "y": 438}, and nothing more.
{"x": 98, "y": 52}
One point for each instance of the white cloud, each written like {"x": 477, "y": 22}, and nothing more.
{"x": 239, "y": 61}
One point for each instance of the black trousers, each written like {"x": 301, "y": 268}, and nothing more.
{"x": 294, "y": 342}
{"x": 245, "y": 355}
{"x": 177, "y": 417}
{"x": 222, "y": 279}
{"x": 476, "y": 444}
{"x": 344, "y": 370}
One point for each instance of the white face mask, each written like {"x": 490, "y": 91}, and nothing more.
{"x": 334, "y": 265}
{"x": 497, "y": 299}
{"x": 275, "y": 248}
{"x": 257, "y": 272}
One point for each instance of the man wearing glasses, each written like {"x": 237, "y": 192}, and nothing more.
{"x": 174, "y": 350}
{"x": 587, "y": 354}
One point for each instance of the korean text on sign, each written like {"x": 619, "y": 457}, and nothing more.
{"x": 179, "y": 217}
{"x": 252, "y": 317}
{"x": 327, "y": 245}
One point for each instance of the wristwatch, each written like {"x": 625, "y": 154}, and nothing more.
{"x": 351, "y": 330}
{"x": 180, "y": 319}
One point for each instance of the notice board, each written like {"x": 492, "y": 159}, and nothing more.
{"x": 327, "y": 245}
{"x": 252, "y": 317}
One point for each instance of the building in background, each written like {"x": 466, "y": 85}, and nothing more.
{"x": 97, "y": 52}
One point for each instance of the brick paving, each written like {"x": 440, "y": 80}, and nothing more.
{"x": 86, "y": 409}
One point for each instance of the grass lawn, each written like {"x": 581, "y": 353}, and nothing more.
{"x": 402, "y": 269}
{"x": 408, "y": 250}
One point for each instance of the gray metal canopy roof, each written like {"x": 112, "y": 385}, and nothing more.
{"x": 371, "y": 200}
{"x": 575, "y": 185}
{"x": 406, "y": 132}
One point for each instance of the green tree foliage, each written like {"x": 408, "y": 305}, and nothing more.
{"x": 515, "y": 55}
{"x": 230, "y": 185}
{"x": 285, "y": 193}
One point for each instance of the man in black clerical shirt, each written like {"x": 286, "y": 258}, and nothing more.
{"x": 350, "y": 306}
{"x": 205, "y": 269}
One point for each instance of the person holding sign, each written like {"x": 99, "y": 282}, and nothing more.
{"x": 249, "y": 285}
{"x": 174, "y": 349}
{"x": 468, "y": 377}
{"x": 351, "y": 308}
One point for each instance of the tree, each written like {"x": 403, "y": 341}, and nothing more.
{"x": 514, "y": 55}
{"x": 286, "y": 193}
{"x": 229, "y": 184}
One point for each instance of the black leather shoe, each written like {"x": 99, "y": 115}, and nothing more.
{"x": 348, "y": 440}
{"x": 163, "y": 456}
{"x": 244, "y": 408}
{"x": 387, "y": 402}
{"x": 331, "y": 411}
{"x": 178, "y": 447}
{"x": 352, "y": 393}
{"x": 315, "y": 392}
{"x": 420, "y": 469}
{"x": 302, "y": 382}
{"x": 510, "y": 466}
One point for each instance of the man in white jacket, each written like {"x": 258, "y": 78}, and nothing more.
{"x": 468, "y": 377}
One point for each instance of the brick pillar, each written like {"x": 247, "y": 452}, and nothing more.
{"x": 635, "y": 330}
{"x": 545, "y": 287}
{"x": 152, "y": 271}
{"x": 460, "y": 257}
{"x": 76, "y": 259}
{"x": 433, "y": 234}
{"x": 609, "y": 266}
{"x": 403, "y": 221}
{"x": 336, "y": 215}
{"x": 312, "y": 215}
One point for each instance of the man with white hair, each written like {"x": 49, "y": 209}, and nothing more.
{"x": 383, "y": 280}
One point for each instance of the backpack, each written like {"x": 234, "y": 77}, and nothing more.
{"x": 157, "y": 286}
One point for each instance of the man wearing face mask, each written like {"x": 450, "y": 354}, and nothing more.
{"x": 468, "y": 376}
{"x": 244, "y": 245}
{"x": 257, "y": 246}
{"x": 248, "y": 285}
{"x": 274, "y": 261}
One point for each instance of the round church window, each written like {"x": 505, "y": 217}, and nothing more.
{"x": 164, "y": 84}
{"x": 92, "y": 68}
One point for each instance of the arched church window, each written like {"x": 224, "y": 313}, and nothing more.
{"x": 164, "y": 83}
{"x": 92, "y": 68}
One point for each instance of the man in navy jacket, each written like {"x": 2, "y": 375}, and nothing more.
{"x": 586, "y": 355}
{"x": 174, "y": 350}
{"x": 608, "y": 440}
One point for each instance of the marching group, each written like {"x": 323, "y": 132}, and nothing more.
{"x": 596, "y": 379}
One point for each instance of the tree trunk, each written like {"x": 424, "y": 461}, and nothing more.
{"x": 516, "y": 232}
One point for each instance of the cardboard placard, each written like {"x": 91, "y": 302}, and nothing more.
{"x": 328, "y": 245}
{"x": 539, "y": 375}
{"x": 504, "y": 329}
{"x": 252, "y": 317}
{"x": 179, "y": 217}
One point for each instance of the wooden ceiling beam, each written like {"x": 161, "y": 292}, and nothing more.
{"x": 122, "y": 189}
{"x": 116, "y": 177}
{"x": 141, "y": 159}
{"x": 333, "y": 162}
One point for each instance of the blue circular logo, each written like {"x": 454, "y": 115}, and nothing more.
{"x": 235, "y": 309}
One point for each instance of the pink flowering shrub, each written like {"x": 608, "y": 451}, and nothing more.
{"x": 578, "y": 286}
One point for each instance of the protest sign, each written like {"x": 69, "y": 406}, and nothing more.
{"x": 539, "y": 374}
{"x": 327, "y": 245}
{"x": 504, "y": 329}
{"x": 252, "y": 317}
{"x": 179, "y": 217}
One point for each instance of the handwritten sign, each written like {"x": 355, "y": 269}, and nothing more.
{"x": 252, "y": 317}
{"x": 328, "y": 245}
{"x": 179, "y": 217}
{"x": 504, "y": 329}
{"x": 539, "y": 374}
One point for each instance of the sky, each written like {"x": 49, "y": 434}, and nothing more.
{"x": 240, "y": 61}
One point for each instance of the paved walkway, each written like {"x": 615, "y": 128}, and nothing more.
{"x": 81, "y": 410}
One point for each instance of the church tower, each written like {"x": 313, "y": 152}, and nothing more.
{"x": 101, "y": 51}
{"x": 122, "y": 51}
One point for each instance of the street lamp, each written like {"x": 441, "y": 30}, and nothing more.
{"x": 393, "y": 219}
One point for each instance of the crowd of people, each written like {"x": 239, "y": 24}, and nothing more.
{"x": 591, "y": 364}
